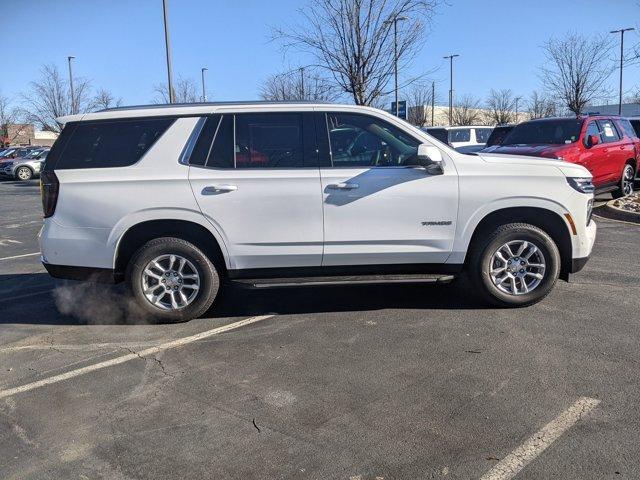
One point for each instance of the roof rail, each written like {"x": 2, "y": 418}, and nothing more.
{"x": 209, "y": 104}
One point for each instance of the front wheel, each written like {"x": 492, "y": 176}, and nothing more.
{"x": 24, "y": 173}
{"x": 515, "y": 266}
{"x": 172, "y": 279}
{"x": 626, "y": 182}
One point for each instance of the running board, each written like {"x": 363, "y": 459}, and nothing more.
{"x": 341, "y": 280}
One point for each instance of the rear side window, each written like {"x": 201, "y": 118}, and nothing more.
{"x": 270, "y": 140}
{"x": 628, "y": 129}
{"x": 608, "y": 131}
{"x": 113, "y": 143}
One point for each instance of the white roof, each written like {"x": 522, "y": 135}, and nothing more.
{"x": 207, "y": 108}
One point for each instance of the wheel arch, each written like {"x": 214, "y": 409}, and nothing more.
{"x": 548, "y": 220}
{"x": 140, "y": 233}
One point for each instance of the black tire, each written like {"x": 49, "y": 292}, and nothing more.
{"x": 625, "y": 186}
{"x": 24, "y": 174}
{"x": 209, "y": 278}
{"x": 479, "y": 266}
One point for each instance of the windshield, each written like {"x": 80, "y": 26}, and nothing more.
{"x": 548, "y": 132}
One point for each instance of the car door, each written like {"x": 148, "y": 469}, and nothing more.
{"x": 256, "y": 179}
{"x": 376, "y": 210}
{"x": 594, "y": 157}
{"x": 615, "y": 151}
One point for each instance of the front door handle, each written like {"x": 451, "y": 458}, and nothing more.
{"x": 343, "y": 186}
{"x": 212, "y": 189}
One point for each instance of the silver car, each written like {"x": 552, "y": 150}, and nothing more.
{"x": 24, "y": 168}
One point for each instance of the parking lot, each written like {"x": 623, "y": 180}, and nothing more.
{"x": 349, "y": 382}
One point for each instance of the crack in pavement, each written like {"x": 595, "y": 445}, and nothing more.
{"x": 157, "y": 360}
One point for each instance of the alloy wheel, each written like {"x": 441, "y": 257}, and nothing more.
{"x": 627, "y": 180}
{"x": 24, "y": 173}
{"x": 170, "y": 282}
{"x": 517, "y": 267}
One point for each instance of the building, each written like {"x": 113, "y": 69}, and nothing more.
{"x": 25, "y": 134}
{"x": 628, "y": 109}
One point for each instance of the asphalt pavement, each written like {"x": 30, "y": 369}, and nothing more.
{"x": 353, "y": 382}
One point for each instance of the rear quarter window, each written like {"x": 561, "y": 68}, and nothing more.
{"x": 106, "y": 144}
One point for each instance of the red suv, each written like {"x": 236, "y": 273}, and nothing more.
{"x": 606, "y": 145}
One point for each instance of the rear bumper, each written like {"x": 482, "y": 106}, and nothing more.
{"x": 71, "y": 272}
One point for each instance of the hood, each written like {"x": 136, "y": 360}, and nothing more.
{"x": 568, "y": 169}
{"x": 534, "y": 150}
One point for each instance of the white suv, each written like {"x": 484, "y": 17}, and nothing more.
{"x": 177, "y": 199}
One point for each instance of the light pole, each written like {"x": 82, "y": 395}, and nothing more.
{"x": 204, "y": 91}
{"x": 71, "y": 92}
{"x": 451, "y": 57}
{"x": 433, "y": 100}
{"x": 394, "y": 20}
{"x": 167, "y": 44}
{"x": 517, "y": 100}
{"x": 621, "y": 32}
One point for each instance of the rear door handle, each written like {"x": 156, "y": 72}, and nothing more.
{"x": 343, "y": 186}
{"x": 219, "y": 189}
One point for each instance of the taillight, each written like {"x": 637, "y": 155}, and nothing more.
{"x": 49, "y": 188}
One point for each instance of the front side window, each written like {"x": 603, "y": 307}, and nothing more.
{"x": 608, "y": 131}
{"x": 482, "y": 135}
{"x": 269, "y": 140}
{"x": 460, "y": 135}
{"x": 592, "y": 129}
{"x": 363, "y": 141}
{"x": 113, "y": 143}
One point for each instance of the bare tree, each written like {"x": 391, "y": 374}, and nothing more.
{"x": 49, "y": 98}
{"x": 185, "y": 91}
{"x": 353, "y": 40}
{"x": 419, "y": 105}
{"x": 8, "y": 115}
{"x": 501, "y": 105}
{"x": 104, "y": 99}
{"x": 577, "y": 69}
{"x": 467, "y": 111}
{"x": 540, "y": 106}
{"x": 297, "y": 85}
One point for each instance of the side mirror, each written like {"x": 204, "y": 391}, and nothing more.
{"x": 428, "y": 158}
{"x": 592, "y": 140}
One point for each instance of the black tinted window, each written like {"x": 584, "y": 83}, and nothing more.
{"x": 106, "y": 144}
{"x": 201, "y": 149}
{"x": 363, "y": 141}
{"x": 269, "y": 140}
{"x": 554, "y": 132}
{"x": 636, "y": 126}
{"x": 221, "y": 154}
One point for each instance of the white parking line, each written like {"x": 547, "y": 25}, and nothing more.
{"x": 131, "y": 356}
{"x": 511, "y": 465}
{"x": 20, "y": 256}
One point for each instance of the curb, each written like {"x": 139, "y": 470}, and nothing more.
{"x": 610, "y": 212}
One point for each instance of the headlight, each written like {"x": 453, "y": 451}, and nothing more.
{"x": 581, "y": 184}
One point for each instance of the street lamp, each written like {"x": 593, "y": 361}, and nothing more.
{"x": 167, "y": 44}
{"x": 71, "y": 92}
{"x": 394, "y": 20}
{"x": 517, "y": 100}
{"x": 451, "y": 57}
{"x": 621, "y": 32}
{"x": 204, "y": 94}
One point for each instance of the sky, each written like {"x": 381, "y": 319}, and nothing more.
{"x": 119, "y": 45}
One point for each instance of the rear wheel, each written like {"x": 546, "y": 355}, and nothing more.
{"x": 516, "y": 265}
{"x": 24, "y": 173}
{"x": 626, "y": 182}
{"x": 172, "y": 279}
